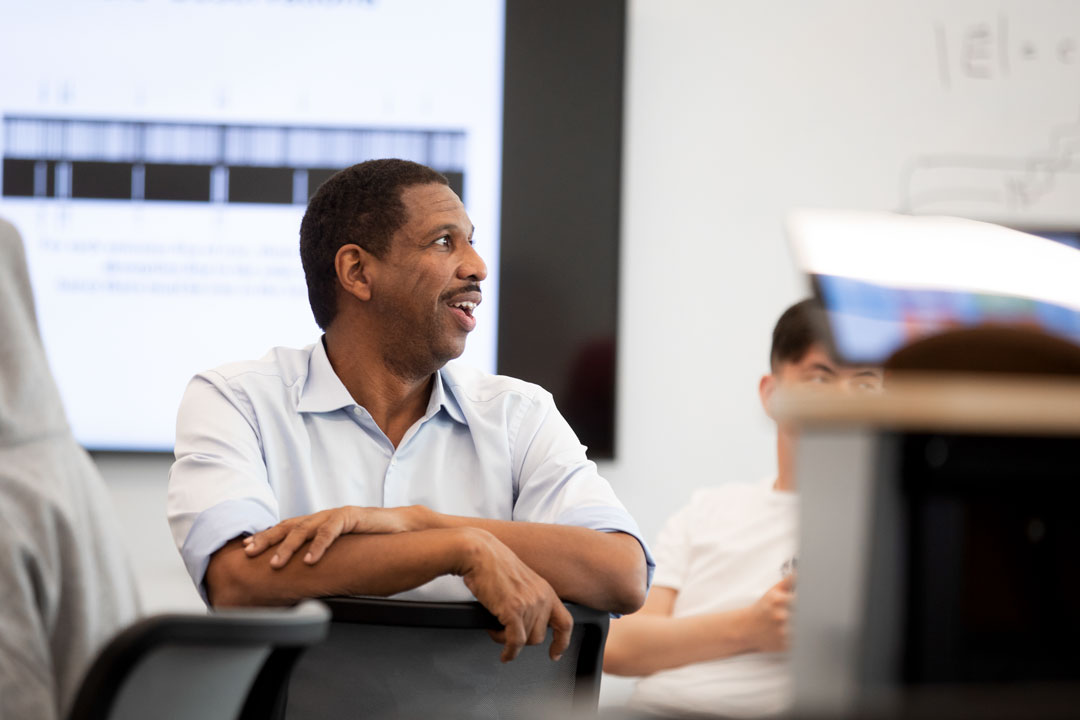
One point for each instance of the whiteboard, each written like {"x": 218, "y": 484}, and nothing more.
{"x": 966, "y": 108}
{"x": 738, "y": 113}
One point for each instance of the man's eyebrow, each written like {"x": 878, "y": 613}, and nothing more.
{"x": 445, "y": 227}
{"x": 824, "y": 367}
{"x": 870, "y": 372}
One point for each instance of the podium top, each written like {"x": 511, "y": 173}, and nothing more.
{"x": 953, "y": 402}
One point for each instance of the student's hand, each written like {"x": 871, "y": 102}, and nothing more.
{"x": 520, "y": 599}
{"x": 324, "y": 527}
{"x": 770, "y": 617}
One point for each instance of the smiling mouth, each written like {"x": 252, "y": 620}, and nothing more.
{"x": 465, "y": 306}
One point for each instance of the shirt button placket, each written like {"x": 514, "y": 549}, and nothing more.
{"x": 389, "y": 493}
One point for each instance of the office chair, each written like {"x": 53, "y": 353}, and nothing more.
{"x": 405, "y": 659}
{"x": 223, "y": 666}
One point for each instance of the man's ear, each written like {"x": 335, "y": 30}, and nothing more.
{"x": 354, "y": 267}
{"x": 766, "y": 388}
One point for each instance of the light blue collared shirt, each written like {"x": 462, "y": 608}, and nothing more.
{"x": 262, "y": 441}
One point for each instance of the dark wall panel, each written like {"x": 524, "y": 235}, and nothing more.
{"x": 562, "y": 155}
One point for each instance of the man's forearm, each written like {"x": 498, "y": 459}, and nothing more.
{"x": 644, "y": 644}
{"x": 359, "y": 565}
{"x": 604, "y": 570}
{"x": 599, "y": 569}
{"x": 387, "y": 563}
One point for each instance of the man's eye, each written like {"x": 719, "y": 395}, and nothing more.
{"x": 444, "y": 241}
{"x": 820, "y": 379}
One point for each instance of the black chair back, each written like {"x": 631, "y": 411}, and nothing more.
{"x": 403, "y": 659}
{"x": 199, "y": 667}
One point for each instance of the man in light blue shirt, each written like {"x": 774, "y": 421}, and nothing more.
{"x": 364, "y": 464}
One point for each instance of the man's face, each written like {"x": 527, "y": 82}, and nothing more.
{"x": 429, "y": 282}
{"x": 817, "y": 370}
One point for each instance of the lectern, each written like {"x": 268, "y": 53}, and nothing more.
{"x": 939, "y": 565}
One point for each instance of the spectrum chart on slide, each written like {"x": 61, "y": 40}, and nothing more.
{"x": 51, "y": 157}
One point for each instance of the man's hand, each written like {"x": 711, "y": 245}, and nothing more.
{"x": 520, "y": 599}
{"x": 770, "y": 617}
{"x": 323, "y": 528}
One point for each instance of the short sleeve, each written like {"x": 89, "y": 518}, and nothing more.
{"x": 218, "y": 486}
{"x": 556, "y": 483}
{"x": 673, "y": 549}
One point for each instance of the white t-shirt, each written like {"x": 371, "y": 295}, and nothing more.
{"x": 722, "y": 552}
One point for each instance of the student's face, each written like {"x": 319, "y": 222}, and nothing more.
{"x": 817, "y": 370}
{"x": 429, "y": 280}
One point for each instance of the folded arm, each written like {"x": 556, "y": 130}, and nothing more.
{"x": 385, "y": 564}
{"x": 654, "y": 639}
{"x": 359, "y": 565}
{"x": 598, "y": 569}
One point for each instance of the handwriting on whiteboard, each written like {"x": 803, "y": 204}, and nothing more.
{"x": 988, "y": 50}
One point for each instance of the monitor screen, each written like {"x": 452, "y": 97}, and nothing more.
{"x": 158, "y": 156}
{"x": 886, "y": 280}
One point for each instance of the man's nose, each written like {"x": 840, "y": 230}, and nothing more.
{"x": 472, "y": 267}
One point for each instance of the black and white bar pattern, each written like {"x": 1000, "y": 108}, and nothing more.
{"x": 50, "y": 157}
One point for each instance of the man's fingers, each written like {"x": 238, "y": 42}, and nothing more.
{"x": 292, "y": 542}
{"x": 324, "y": 538}
{"x": 255, "y": 544}
{"x": 538, "y": 631}
{"x": 515, "y": 640}
{"x": 562, "y": 626}
{"x": 788, "y": 583}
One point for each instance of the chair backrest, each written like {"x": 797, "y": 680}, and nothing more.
{"x": 404, "y": 659}
{"x": 181, "y": 667}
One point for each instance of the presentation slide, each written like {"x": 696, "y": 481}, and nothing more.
{"x": 158, "y": 156}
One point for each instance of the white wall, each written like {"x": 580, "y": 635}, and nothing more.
{"x": 137, "y": 483}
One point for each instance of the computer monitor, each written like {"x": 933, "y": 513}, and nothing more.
{"x": 886, "y": 280}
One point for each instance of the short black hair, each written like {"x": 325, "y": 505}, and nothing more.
{"x": 800, "y": 326}
{"x": 360, "y": 205}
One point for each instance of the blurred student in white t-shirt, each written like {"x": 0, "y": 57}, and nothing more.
{"x": 712, "y": 637}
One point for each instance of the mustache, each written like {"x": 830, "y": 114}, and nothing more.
{"x": 474, "y": 287}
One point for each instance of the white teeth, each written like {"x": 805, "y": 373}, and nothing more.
{"x": 464, "y": 305}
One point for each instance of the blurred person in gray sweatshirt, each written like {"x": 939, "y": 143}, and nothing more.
{"x": 65, "y": 586}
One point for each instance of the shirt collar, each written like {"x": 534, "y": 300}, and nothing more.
{"x": 324, "y": 392}
{"x": 442, "y": 395}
